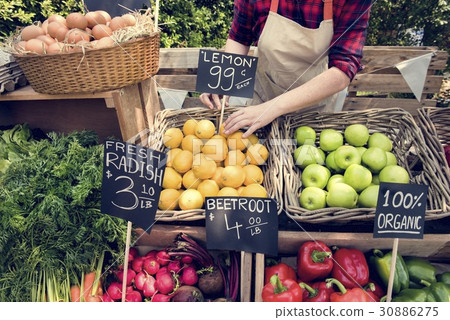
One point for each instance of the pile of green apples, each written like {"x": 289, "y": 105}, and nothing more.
{"x": 344, "y": 170}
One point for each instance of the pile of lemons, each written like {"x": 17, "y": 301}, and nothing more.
{"x": 204, "y": 163}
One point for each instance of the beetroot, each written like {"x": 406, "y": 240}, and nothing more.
{"x": 133, "y": 296}
{"x": 164, "y": 283}
{"x": 211, "y": 283}
{"x": 188, "y": 294}
{"x": 151, "y": 266}
{"x": 189, "y": 276}
{"x": 115, "y": 290}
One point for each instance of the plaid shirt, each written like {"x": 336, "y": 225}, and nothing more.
{"x": 350, "y": 20}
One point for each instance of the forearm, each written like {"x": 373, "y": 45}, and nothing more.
{"x": 322, "y": 86}
{"x": 235, "y": 47}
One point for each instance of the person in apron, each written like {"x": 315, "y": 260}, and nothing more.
{"x": 293, "y": 71}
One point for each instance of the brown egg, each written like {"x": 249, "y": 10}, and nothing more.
{"x": 53, "y": 28}
{"x": 31, "y": 32}
{"x": 93, "y": 18}
{"x": 57, "y": 18}
{"x": 76, "y": 20}
{"x": 129, "y": 19}
{"x": 61, "y": 33}
{"x": 56, "y": 47}
{"x": 105, "y": 15}
{"x": 76, "y": 35}
{"x": 36, "y": 46}
{"x": 47, "y": 39}
{"x": 105, "y": 42}
{"x": 20, "y": 46}
{"x": 117, "y": 23}
{"x": 44, "y": 26}
{"x": 101, "y": 31}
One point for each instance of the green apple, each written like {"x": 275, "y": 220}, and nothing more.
{"x": 368, "y": 197}
{"x": 356, "y": 135}
{"x": 315, "y": 175}
{"x": 342, "y": 195}
{"x": 361, "y": 150}
{"x": 374, "y": 158}
{"x": 335, "y": 178}
{"x": 375, "y": 179}
{"x": 358, "y": 177}
{"x": 306, "y": 155}
{"x": 313, "y": 198}
{"x": 322, "y": 154}
{"x": 331, "y": 164}
{"x": 305, "y": 135}
{"x": 394, "y": 174}
{"x": 330, "y": 139}
{"x": 346, "y": 155}
{"x": 380, "y": 140}
{"x": 391, "y": 159}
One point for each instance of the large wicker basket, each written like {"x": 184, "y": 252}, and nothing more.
{"x": 408, "y": 146}
{"x": 93, "y": 70}
{"x": 435, "y": 125}
{"x": 175, "y": 118}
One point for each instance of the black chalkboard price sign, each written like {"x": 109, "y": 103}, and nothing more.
{"x": 400, "y": 211}
{"x": 241, "y": 223}
{"x": 226, "y": 73}
{"x": 132, "y": 180}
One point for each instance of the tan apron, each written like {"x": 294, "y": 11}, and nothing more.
{"x": 290, "y": 55}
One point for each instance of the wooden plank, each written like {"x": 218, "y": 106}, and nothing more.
{"x": 178, "y": 58}
{"x": 361, "y": 103}
{"x": 178, "y": 82}
{"x": 259, "y": 276}
{"x": 391, "y": 83}
{"x": 246, "y": 276}
{"x": 150, "y": 100}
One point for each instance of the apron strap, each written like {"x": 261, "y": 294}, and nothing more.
{"x": 327, "y": 8}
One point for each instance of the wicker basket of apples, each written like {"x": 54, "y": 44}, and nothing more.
{"x": 334, "y": 162}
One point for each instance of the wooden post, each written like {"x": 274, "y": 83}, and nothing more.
{"x": 259, "y": 276}
{"x": 125, "y": 264}
{"x": 246, "y": 276}
{"x": 392, "y": 273}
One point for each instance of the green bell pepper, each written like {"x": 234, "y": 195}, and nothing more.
{"x": 420, "y": 269}
{"x": 438, "y": 290}
{"x": 381, "y": 264}
{"x": 444, "y": 277}
{"x": 411, "y": 295}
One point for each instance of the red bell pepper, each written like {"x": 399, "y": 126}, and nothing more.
{"x": 347, "y": 295}
{"x": 375, "y": 288}
{"x": 281, "y": 269}
{"x": 281, "y": 290}
{"x": 350, "y": 268}
{"x": 314, "y": 261}
{"x": 370, "y": 291}
{"x": 316, "y": 292}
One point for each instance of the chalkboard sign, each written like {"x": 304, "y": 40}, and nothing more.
{"x": 226, "y": 73}
{"x": 400, "y": 211}
{"x": 132, "y": 180}
{"x": 241, "y": 223}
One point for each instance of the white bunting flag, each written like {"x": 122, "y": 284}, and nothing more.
{"x": 171, "y": 98}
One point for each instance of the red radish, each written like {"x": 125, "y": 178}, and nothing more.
{"x": 186, "y": 259}
{"x": 133, "y": 296}
{"x": 174, "y": 266}
{"x": 163, "y": 257}
{"x": 129, "y": 289}
{"x": 161, "y": 271}
{"x": 149, "y": 287}
{"x": 151, "y": 254}
{"x": 189, "y": 276}
{"x": 139, "y": 280}
{"x": 106, "y": 298}
{"x": 130, "y": 276}
{"x": 160, "y": 298}
{"x": 137, "y": 263}
{"x": 165, "y": 283}
{"x": 132, "y": 254}
{"x": 115, "y": 290}
{"x": 151, "y": 266}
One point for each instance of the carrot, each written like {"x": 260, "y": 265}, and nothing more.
{"x": 75, "y": 293}
{"x": 88, "y": 283}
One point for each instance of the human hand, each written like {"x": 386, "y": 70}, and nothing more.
{"x": 213, "y": 100}
{"x": 254, "y": 117}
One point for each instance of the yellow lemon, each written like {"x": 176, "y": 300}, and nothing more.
{"x": 182, "y": 162}
{"x": 228, "y": 192}
{"x": 254, "y": 190}
{"x": 235, "y": 158}
{"x": 172, "y": 179}
{"x": 172, "y": 138}
{"x": 168, "y": 199}
{"x": 189, "y": 127}
{"x": 170, "y": 155}
{"x": 208, "y": 188}
{"x": 192, "y": 143}
{"x": 221, "y": 131}
{"x": 257, "y": 154}
{"x": 205, "y": 129}
{"x": 190, "y": 181}
{"x": 240, "y": 189}
{"x": 253, "y": 139}
{"x": 233, "y": 176}
{"x": 190, "y": 199}
{"x": 236, "y": 142}
{"x": 216, "y": 149}
{"x": 203, "y": 166}
{"x": 253, "y": 174}
{"x": 217, "y": 177}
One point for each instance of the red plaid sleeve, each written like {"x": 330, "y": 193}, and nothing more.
{"x": 242, "y": 26}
